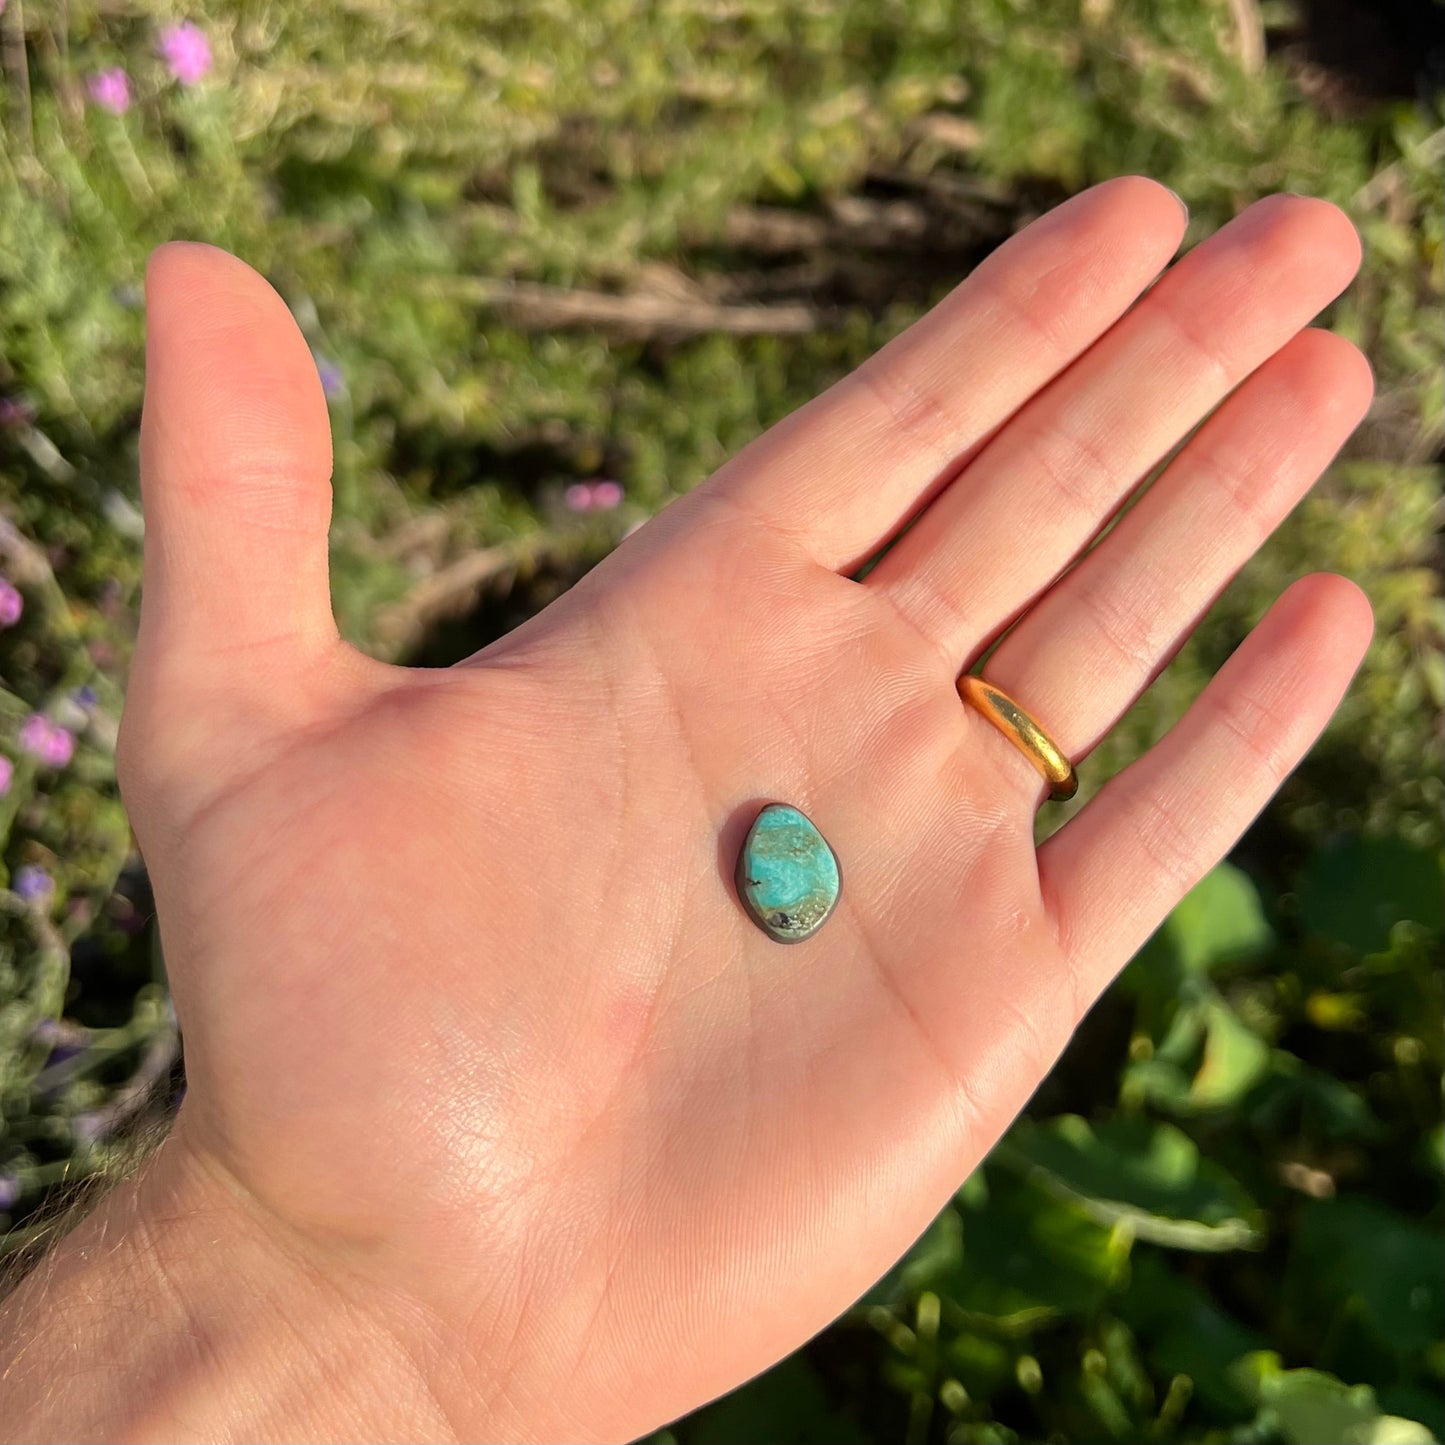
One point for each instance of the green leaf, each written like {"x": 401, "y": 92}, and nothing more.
{"x": 1186, "y": 1333}
{"x": 1159, "y": 1082}
{"x": 1030, "y": 1257}
{"x": 1310, "y": 1407}
{"x": 1351, "y": 1254}
{"x": 783, "y": 1406}
{"x": 1357, "y": 890}
{"x": 1415, "y": 1402}
{"x": 1432, "y": 1150}
{"x": 1136, "y": 1172}
{"x": 1324, "y": 1106}
{"x": 1235, "y": 1059}
{"x": 984, "y": 1363}
{"x": 934, "y": 1257}
{"x": 1219, "y": 921}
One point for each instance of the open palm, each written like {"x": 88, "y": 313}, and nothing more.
{"x": 473, "y": 1015}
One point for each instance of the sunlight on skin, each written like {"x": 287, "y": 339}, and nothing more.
{"x": 497, "y": 1099}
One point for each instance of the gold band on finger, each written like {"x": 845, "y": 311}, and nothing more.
{"x": 1019, "y": 727}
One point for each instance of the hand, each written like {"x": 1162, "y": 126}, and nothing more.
{"x": 479, "y": 1041}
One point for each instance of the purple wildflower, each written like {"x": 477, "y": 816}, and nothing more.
{"x": 606, "y": 495}
{"x": 41, "y": 738}
{"x": 32, "y": 883}
{"x": 53, "y": 1078}
{"x": 57, "y": 1032}
{"x": 9, "y": 1183}
{"x": 110, "y": 90}
{"x": 85, "y": 696}
{"x": 7, "y": 771}
{"x": 93, "y": 1125}
{"x": 186, "y": 52}
{"x": 12, "y": 604}
{"x": 15, "y": 411}
{"x": 333, "y": 383}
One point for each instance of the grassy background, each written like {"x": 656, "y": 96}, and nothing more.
{"x": 542, "y": 242}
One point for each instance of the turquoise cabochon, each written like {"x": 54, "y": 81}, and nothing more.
{"x": 788, "y": 877}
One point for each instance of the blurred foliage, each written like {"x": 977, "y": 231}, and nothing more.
{"x": 540, "y": 242}
{"x": 1262, "y": 1184}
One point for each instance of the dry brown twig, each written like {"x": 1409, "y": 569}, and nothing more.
{"x": 1248, "y": 35}
{"x": 631, "y": 315}
{"x": 450, "y": 591}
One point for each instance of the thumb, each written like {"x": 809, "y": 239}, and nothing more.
{"x": 235, "y": 479}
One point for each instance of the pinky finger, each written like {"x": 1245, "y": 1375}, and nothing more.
{"x": 1113, "y": 873}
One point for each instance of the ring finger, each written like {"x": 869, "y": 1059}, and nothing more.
{"x": 1080, "y": 656}
{"x": 1034, "y": 497}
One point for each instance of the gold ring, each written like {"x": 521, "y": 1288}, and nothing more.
{"x": 1015, "y": 723}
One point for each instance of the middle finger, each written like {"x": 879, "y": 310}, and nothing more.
{"x": 1038, "y": 493}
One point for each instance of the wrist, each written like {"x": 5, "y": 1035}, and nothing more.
{"x": 179, "y": 1310}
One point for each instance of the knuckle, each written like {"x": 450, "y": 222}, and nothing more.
{"x": 1199, "y": 346}
{"x": 1044, "y": 304}
{"x": 1075, "y": 467}
{"x": 1128, "y": 634}
{"x": 1256, "y": 728}
{"x": 903, "y": 405}
{"x": 1240, "y": 490}
{"x": 1168, "y": 842}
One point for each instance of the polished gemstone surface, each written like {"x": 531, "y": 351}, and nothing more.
{"x": 787, "y": 877}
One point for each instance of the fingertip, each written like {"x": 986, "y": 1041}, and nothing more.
{"x": 174, "y": 253}
{"x": 1332, "y": 606}
{"x": 1146, "y": 193}
{"x": 229, "y": 375}
{"x": 1119, "y": 233}
{"x": 235, "y": 457}
{"x": 1312, "y": 232}
{"x": 196, "y": 265}
{"x": 1328, "y": 366}
{"x": 1142, "y": 203}
{"x": 169, "y": 254}
{"x": 1329, "y": 223}
{"x": 1351, "y": 602}
{"x": 195, "y": 286}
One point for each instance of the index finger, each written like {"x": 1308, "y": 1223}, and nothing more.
{"x": 842, "y": 473}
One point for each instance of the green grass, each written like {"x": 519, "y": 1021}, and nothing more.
{"x": 543, "y": 242}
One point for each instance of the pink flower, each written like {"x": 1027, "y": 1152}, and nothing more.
{"x": 34, "y": 733}
{"x": 595, "y": 496}
{"x": 186, "y": 52}
{"x": 12, "y": 604}
{"x": 7, "y": 771}
{"x": 110, "y": 90}
{"x": 43, "y": 739}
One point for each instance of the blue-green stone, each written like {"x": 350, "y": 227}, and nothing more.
{"x": 788, "y": 878}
